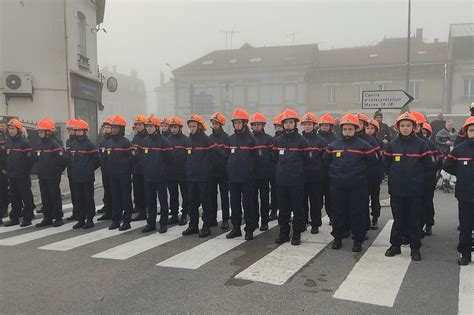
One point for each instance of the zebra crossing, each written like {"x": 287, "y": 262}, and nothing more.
{"x": 367, "y": 282}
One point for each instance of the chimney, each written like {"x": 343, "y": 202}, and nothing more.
{"x": 435, "y": 40}
{"x": 162, "y": 78}
{"x": 419, "y": 34}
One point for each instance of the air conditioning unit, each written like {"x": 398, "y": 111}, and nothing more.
{"x": 17, "y": 83}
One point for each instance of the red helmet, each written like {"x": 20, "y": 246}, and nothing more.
{"x": 241, "y": 114}
{"x": 218, "y": 117}
{"x": 176, "y": 121}
{"x": 374, "y": 123}
{"x": 309, "y": 117}
{"x": 289, "y": 114}
{"x": 140, "y": 119}
{"x": 277, "y": 119}
{"x": 406, "y": 116}
{"x": 45, "y": 124}
{"x": 71, "y": 123}
{"x": 81, "y": 125}
{"x": 118, "y": 120}
{"x": 468, "y": 122}
{"x": 258, "y": 118}
{"x": 327, "y": 119}
{"x": 427, "y": 126}
{"x": 16, "y": 123}
{"x": 419, "y": 117}
{"x": 166, "y": 120}
{"x": 198, "y": 119}
{"x": 153, "y": 120}
{"x": 363, "y": 117}
{"x": 350, "y": 119}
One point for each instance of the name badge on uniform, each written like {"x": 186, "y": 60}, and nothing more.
{"x": 190, "y": 151}
{"x": 338, "y": 154}
{"x": 146, "y": 151}
{"x": 282, "y": 152}
{"x": 397, "y": 158}
{"x": 232, "y": 150}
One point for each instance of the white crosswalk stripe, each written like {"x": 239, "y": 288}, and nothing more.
{"x": 207, "y": 251}
{"x": 286, "y": 260}
{"x": 466, "y": 290}
{"x": 376, "y": 279}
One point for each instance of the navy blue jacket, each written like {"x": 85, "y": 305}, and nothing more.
{"x": 264, "y": 164}
{"x": 201, "y": 152}
{"x": 313, "y": 168}
{"x": 351, "y": 162}
{"x": 460, "y": 162}
{"x": 69, "y": 141}
{"x": 119, "y": 156}
{"x": 219, "y": 165}
{"x": 407, "y": 160}
{"x": 329, "y": 137}
{"x": 3, "y": 153}
{"x": 290, "y": 150}
{"x": 84, "y": 160}
{"x": 177, "y": 165}
{"x": 19, "y": 157}
{"x": 154, "y": 156}
{"x": 137, "y": 142}
{"x": 103, "y": 153}
{"x": 50, "y": 158}
{"x": 242, "y": 156}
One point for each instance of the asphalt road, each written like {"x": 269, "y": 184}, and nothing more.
{"x": 215, "y": 275}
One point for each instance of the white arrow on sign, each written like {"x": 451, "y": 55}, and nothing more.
{"x": 386, "y": 99}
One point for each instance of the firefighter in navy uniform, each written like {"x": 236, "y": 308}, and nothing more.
{"x": 273, "y": 191}
{"x": 51, "y": 162}
{"x": 107, "y": 199}
{"x": 460, "y": 162}
{"x": 72, "y": 137}
{"x": 138, "y": 180}
{"x": 313, "y": 172}
{"x": 4, "y": 193}
{"x": 407, "y": 160}
{"x": 461, "y": 134}
{"x": 165, "y": 127}
{"x": 290, "y": 151}
{"x": 219, "y": 173}
{"x": 120, "y": 156}
{"x": 84, "y": 160}
{"x": 264, "y": 169}
{"x": 351, "y": 161}
{"x": 177, "y": 173}
{"x": 241, "y": 172}
{"x": 155, "y": 155}
{"x": 19, "y": 163}
{"x": 326, "y": 126}
{"x": 200, "y": 150}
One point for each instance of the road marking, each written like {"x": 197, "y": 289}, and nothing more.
{"x": 286, "y": 260}
{"x": 466, "y": 290}
{"x": 35, "y": 234}
{"x": 376, "y": 279}
{"x": 207, "y": 251}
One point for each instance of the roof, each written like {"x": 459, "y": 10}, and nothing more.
{"x": 460, "y": 30}
{"x": 248, "y": 56}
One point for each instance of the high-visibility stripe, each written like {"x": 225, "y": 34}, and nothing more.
{"x": 459, "y": 158}
{"x": 50, "y": 151}
{"x": 86, "y": 151}
{"x": 408, "y": 154}
{"x": 157, "y": 149}
{"x": 289, "y": 149}
{"x": 241, "y": 148}
{"x": 264, "y": 146}
{"x": 179, "y": 147}
{"x": 21, "y": 150}
{"x": 202, "y": 148}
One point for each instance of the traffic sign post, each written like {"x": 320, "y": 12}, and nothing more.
{"x": 385, "y": 99}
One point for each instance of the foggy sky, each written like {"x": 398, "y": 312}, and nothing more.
{"x": 147, "y": 34}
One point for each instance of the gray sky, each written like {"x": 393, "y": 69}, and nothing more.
{"x": 147, "y": 34}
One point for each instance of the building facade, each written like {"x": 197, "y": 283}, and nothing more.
{"x": 165, "y": 98}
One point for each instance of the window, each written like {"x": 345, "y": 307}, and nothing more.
{"x": 208, "y": 62}
{"x": 290, "y": 93}
{"x": 359, "y": 88}
{"x": 258, "y": 59}
{"x": 469, "y": 88}
{"x": 331, "y": 94}
{"x": 415, "y": 90}
{"x": 233, "y": 61}
{"x": 252, "y": 94}
{"x": 82, "y": 27}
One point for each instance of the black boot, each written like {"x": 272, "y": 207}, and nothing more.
{"x": 190, "y": 231}
{"x": 296, "y": 239}
{"x": 78, "y": 225}
{"x": 314, "y": 230}
{"x": 44, "y": 222}
{"x": 148, "y": 228}
{"x": 125, "y": 226}
{"x": 58, "y": 222}
{"x": 114, "y": 225}
{"x": 89, "y": 224}
{"x": 357, "y": 247}
{"x": 248, "y": 235}
{"x": 173, "y": 220}
{"x": 464, "y": 260}
{"x": 12, "y": 222}
{"x": 415, "y": 254}
{"x": 405, "y": 240}
{"x": 183, "y": 220}
{"x": 282, "y": 238}
{"x": 104, "y": 217}
{"x": 205, "y": 232}
{"x": 374, "y": 225}
{"x": 264, "y": 227}
{"x": 392, "y": 251}
{"x": 336, "y": 244}
{"x": 236, "y": 232}
{"x": 428, "y": 230}
{"x": 224, "y": 225}
{"x": 140, "y": 217}
{"x": 101, "y": 210}
{"x": 40, "y": 210}
{"x": 71, "y": 218}
{"x": 273, "y": 215}
{"x": 25, "y": 222}
{"x": 163, "y": 229}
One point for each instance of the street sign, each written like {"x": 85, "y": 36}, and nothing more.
{"x": 385, "y": 99}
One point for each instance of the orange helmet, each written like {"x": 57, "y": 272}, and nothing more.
{"x": 118, "y": 120}
{"x": 16, "y": 123}
{"x": 140, "y": 119}
{"x": 166, "y": 120}
{"x": 45, "y": 124}
{"x": 326, "y": 119}
{"x": 427, "y": 126}
{"x": 289, "y": 114}
{"x": 71, "y": 123}
{"x": 308, "y": 117}
{"x": 176, "y": 121}
{"x": 468, "y": 122}
{"x": 81, "y": 125}
{"x": 374, "y": 123}
{"x": 218, "y": 117}
{"x": 363, "y": 117}
{"x": 153, "y": 120}
{"x": 51, "y": 122}
{"x": 108, "y": 121}
{"x": 197, "y": 119}
{"x": 258, "y": 118}
{"x": 406, "y": 116}
{"x": 419, "y": 117}
{"x": 350, "y": 119}
{"x": 277, "y": 119}
{"x": 240, "y": 113}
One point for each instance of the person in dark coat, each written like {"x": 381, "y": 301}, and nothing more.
{"x": 72, "y": 137}
{"x": 219, "y": 179}
{"x": 460, "y": 162}
{"x": 273, "y": 191}
{"x": 138, "y": 180}
{"x": 4, "y": 193}
{"x": 383, "y": 135}
{"x": 264, "y": 168}
{"x": 84, "y": 160}
{"x": 462, "y": 134}
{"x": 107, "y": 199}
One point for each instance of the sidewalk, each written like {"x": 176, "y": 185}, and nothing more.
{"x": 65, "y": 192}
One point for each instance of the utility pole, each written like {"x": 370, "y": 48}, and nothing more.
{"x": 293, "y": 36}
{"x": 407, "y": 83}
{"x": 231, "y": 35}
